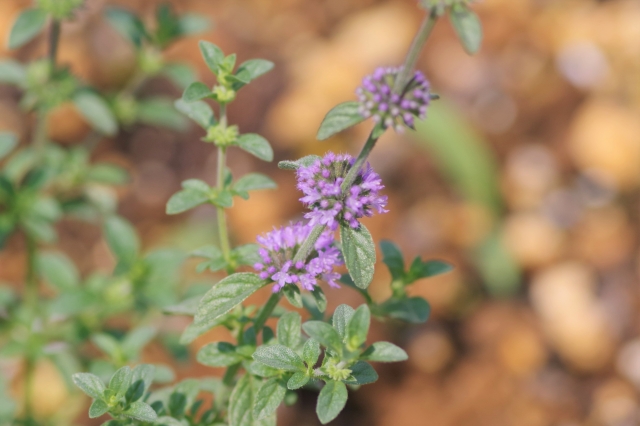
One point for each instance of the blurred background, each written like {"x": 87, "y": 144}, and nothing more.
{"x": 525, "y": 176}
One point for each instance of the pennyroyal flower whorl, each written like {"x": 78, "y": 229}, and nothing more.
{"x": 378, "y": 101}
{"x": 281, "y": 245}
{"x": 320, "y": 183}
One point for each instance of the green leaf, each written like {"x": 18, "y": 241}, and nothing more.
{"x": 242, "y": 401}
{"x": 246, "y": 254}
{"x": 288, "y": 330}
{"x": 162, "y": 112}
{"x": 96, "y": 111}
{"x": 359, "y": 254}
{"x": 331, "y": 401}
{"x": 143, "y": 373}
{"x": 141, "y": 411}
{"x": 362, "y": 373}
{"x": 219, "y": 354}
{"x": 12, "y": 72}
{"x": 108, "y": 344}
{"x": 89, "y": 384}
{"x": 58, "y": 270}
{"x": 292, "y": 293}
{"x": 194, "y": 193}
{"x": 468, "y": 28}
{"x": 280, "y": 357}
{"x": 215, "y": 259}
{"x": 108, "y": 174}
{"x": 256, "y": 145}
{"x": 191, "y": 23}
{"x": 420, "y": 269}
{"x": 326, "y": 335}
{"x": 137, "y": 339}
{"x": 298, "y": 380}
{"x": 198, "y": 111}
{"x": 28, "y": 24}
{"x": 196, "y": 91}
{"x": 250, "y": 70}
{"x": 414, "y": 310}
{"x": 225, "y": 295}
{"x": 120, "y": 381}
{"x": 340, "y": 118}
{"x": 358, "y": 327}
{"x": 122, "y": 239}
{"x": 320, "y": 298}
{"x": 252, "y": 181}
{"x": 222, "y": 198}
{"x": 268, "y": 398}
{"x": 341, "y": 317}
{"x": 212, "y": 55}
{"x": 393, "y": 259}
{"x": 181, "y": 75}
{"x": 262, "y": 370}
{"x": 127, "y": 24}
{"x": 311, "y": 352}
{"x": 98, "y": 408}
{"x": 384, "y": 352}
{"x": 296, "y": 164}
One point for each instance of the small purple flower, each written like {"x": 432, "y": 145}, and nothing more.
{"x": 279, "y": 248}
{"x": 377, "y": 99}
{"x": 320, "y": 183}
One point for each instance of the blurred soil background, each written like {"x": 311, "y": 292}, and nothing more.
{"x": 526, "y": 177}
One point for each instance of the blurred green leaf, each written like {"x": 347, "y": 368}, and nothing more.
{"x": 96, "y": 111}
{"x": 196, "y": 91}
{"x": 219, "y": 354}
{"x": 194, "y": 193}
{"x": 161, "y": 112}
{"x": 198, "y": 111}
{"x": 256, "y": 145}
{"x": 127, "y": 24}
{"x": 212, "y": 55}
{"x": 58, "y": 270}
{"x": 12, "y": 72}
{"x": 28, "y": 24}
{"x": 8, "y": 141}
{"x": 467, "y": 26}
{"x": 122, "y": 239}
{"x": 413, "y": 310}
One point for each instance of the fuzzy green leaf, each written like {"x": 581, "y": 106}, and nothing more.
{"x": 141, "y": 411}
{"x": 194, "y": 193}
{"x": 120, "y": 381}
{"x": 288, "y": 330}
{"x": 340, "y": 118}
{"x": 384, "y": 352}
{"x": 359, "y": 254}
{"x": 341, "y": 317}
{"x": 219, "y": 354}
{"x": 98, "y": 408}
{"x": 256, "y": 145}
{"x": 196, "y": 91}
{"x": 28, "y": 24}
{"x": 311, "y": 352}
{"x": 296, "y": 164}
{"x": 242, "y": 401}
{"x": 430, "y": 268}
{"x": 362, "y": 373}
{"x": 198, "y": 111}
{"x": 358, "y": 327}
{"x": 326, "y": 335}
{"x": 268, "y": 398}
{"x": 331, "y": 401}
{"x": 393, "y": 259}
{"x": 414, "y": 310}
{"x": 251, "y": 182}
{"x": 298, "y": 380}
{"x": 89, "y": 384}
{"x": 212, "y": 55}
{"x": 224, "y": 296}
{"x": 280, "y": 357}
{"x": 250, "y": 70}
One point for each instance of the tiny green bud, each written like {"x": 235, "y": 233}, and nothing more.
{"x": 125, "y": 108}
{"x": 222, "y": 136}
{"x": 150, "y": 61}
{"x": 223, "y": 94}
{"x": 337, "y": 371}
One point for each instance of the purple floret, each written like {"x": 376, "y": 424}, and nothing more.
{"x": 320, "y": 183}
{"x": 392, "y": 109}
{"x": 279, "y": 248}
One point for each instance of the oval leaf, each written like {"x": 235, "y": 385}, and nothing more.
{"x": 468, "y": 28}
{"x": 268, "y": 398}
{"x": 256, "y": 145}
{"x": 359, "y": 254}
{"x": 96, "y": 111}
{"x": 340, "y": 118}
{"x": 28, "y": 24}
{"x": 280, "y": 357}
{"x": 198, "y": 111}
{"x": 331, "y": 401}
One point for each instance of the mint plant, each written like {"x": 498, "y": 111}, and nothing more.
{"x": 310, "y": 347}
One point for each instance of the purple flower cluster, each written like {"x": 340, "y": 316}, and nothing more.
{"x": 279, "y": 248}
{"x": 377, "y": 99}
{"x": 320, "y": 183}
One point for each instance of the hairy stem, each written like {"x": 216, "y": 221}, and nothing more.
{"x": 414, "y": 51}
{"x": 362, "y": 157}
{"x": 266, "y": 311}
{"x": 223, "y": 234}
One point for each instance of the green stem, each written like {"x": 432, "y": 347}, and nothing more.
{"x": 266, "y": 312}
{"x": 414, "y": 51}
{"x": 362, "y": 157}
{"x": 307, "y": 247}
{"x": 223, "y": 234}
{"x": 54, "y": 38}
{"x": 40, "y": 133}
{"x": 31, "y": 301}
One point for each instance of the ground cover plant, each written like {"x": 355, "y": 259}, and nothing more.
{"x": 41, "y": 183}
